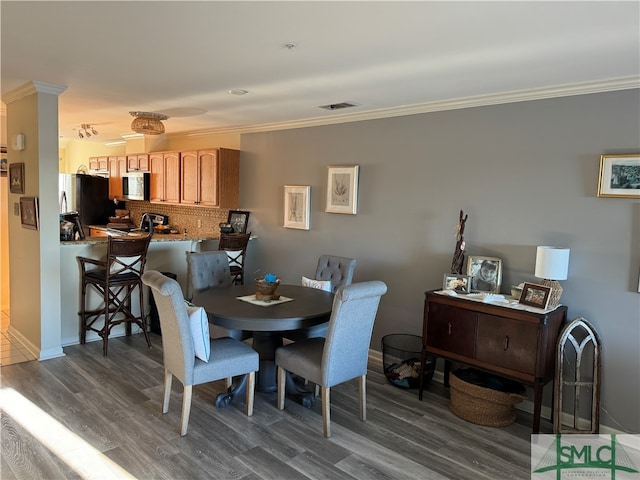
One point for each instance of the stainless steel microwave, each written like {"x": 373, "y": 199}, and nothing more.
{"x": 135, "y": 185}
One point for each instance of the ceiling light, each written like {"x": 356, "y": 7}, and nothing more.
{"x": 238, "y": 91}
{"x": 148, "y": 123}
{"x": 86, "y": 130}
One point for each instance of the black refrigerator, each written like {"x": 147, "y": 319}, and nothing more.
{"x": 88, "y": 195}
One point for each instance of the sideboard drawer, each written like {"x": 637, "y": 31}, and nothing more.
{"x": 451, "y": 329}
{"x": 507, "y": 343}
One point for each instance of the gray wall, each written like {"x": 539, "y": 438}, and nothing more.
{"x": 525, "y": 173}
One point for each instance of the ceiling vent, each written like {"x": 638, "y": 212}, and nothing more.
{"x": 338, "y": 106}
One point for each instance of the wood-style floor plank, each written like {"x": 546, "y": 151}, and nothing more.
{"x": 114, "y": 405}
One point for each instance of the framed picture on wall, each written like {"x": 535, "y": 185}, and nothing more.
{"x": 3, "y": 160}
{"x": 29, "y": 212}
{"x": 297, "y": 206}
{"x": 342, "y": 190}
{"x": 619, "y": 176}
{"x": 239, "y": 220}
{"x": 16, "y": 178}
{"x": 485, "y": 273}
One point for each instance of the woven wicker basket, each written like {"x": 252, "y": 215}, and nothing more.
{"x": 482, "y": 405}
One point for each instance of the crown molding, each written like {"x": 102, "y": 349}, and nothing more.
{"x": 30, "y": 88}
{"x": 586, "y": 88}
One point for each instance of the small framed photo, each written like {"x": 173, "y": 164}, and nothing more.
{"x": 535, "y": 295}
{"x": 16, "y": 178}
{"x": 619, "y": 176}
{"x": 458, "y": 283}
{"x": 29, "y": 212}
{"x": 485, "y": 273}
{"x": 297, "y": 206}
{"x": 239, "y": 220}
{"x": 342, "y": 190}
{"x": 3, "y": 161}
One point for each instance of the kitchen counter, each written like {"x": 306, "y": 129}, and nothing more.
{"x": 157, "y": 237}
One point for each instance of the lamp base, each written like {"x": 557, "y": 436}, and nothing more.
{"x": 556, "y": 292}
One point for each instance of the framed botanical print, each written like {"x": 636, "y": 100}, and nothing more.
{"x": 297, "y": 206}
{"x": 342, "y": 190}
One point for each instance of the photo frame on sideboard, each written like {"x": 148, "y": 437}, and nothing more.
{"x": 485, "y": 273}
{"x": 239, "y": 220}
{"x": 535, "y": 295}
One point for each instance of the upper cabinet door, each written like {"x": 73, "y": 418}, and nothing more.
{"x": 190, "y": 178}
{"x": 209, "y": 178}
{"x": 156, "y": 186}
{"x": 172, "y": 177}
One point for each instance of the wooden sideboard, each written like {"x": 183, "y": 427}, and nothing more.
{"x": 511, "y": 342}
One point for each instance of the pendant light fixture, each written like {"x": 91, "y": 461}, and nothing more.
{"x": 148, "y": 123}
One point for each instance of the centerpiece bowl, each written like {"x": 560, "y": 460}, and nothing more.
{"x": 267, "y": 287}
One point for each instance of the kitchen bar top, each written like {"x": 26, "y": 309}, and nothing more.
{"x": 157, "y": 237}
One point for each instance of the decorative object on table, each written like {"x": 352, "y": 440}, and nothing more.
{"x": 458, "y": 254}
{"x": 483, "y": 398}
{"x": 342, "y": 189}
{"x": 516, "y": 291}
{"x": 619, "y": 176}
{"x": 29, "y": 212}
{"x": 458, "y": 283}
{"x": 552, "y": 264}
{"x": 535, "y": 295}
{"x": 267, "y": 286}
{"x": 261, "y": 302}
{"x": 485, "y": 273}
{"x": 239, "y": 220}
{"x": 577, "y": 379}
{"x": 297, "y": 206}
{"x": 16, "y": 177}
{"x": 401, "y": 360}
{"x": 226, "y": 228}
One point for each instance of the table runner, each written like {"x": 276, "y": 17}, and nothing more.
{"x": 263, "y": 303}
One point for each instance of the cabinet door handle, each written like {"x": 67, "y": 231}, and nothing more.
{"x": 506, "y": 343}
{"x": 450, "y": 328}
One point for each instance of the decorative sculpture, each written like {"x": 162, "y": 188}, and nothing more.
{"x": 458, "y": 254}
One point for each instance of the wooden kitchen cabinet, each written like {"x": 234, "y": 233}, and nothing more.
{"x": 511, "y": 342}
{"x": 165, "y": 177}
{"x": 98, "y": 164}
{"x": 138, "y": 163}
{"x": 117, "y": 167}
{"x": 210, "y": 178}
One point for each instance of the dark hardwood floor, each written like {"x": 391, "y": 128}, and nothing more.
{"x": 85, "y": 416}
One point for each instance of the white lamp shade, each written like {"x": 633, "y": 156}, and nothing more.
{"x": 552, "y": 263}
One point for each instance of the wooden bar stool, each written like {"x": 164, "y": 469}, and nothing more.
{"x": 235, "y": 244}
{"x": 115, "y": 280}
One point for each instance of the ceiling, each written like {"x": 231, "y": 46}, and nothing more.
{"x": 388, "y": 58}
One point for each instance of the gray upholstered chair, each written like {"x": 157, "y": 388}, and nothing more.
{"x": 337, "y": 270}
{"x": 211, "y": 270}
{"x": 343, "y": 354}
{"x": 228, "y": 357}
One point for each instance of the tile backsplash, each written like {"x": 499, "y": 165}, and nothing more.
{"x": 197, "y": 220}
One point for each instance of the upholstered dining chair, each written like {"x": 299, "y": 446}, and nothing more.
{"x": 343, "y": 354}
{"x": 235, "y": 245}
{"x": 207, "y": 270}
{"x": 115, "y": 280}
{"x": 227, "y": 357}
{"x": 332, "y": 272}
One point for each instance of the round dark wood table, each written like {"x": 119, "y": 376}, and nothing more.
{"x": 309, "y": 307}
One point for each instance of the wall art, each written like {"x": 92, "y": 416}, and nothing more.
{"x": 342, "y": 190}
{"x": 297, "y": 206}
{"x": 619, "y": 176}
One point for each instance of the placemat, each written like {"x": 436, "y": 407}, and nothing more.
{"x": 264, "y": 303}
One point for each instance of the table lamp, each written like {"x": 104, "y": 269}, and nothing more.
{"x": 552, "y": 264}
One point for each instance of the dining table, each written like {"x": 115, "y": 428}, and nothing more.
{"x": 236, "y": 307}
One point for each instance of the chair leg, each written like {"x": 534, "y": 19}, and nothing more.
{"x": 363, "y": 397}
{"x": 186, "y": 409}
{"x": 282, "y": 374}
{"x": 326, "y": 411}
{"x": 228, "y": 382}
{"x": 251, "y": 387}
{"x": 168, "y": 376}
{"x": 316, "y": 390}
